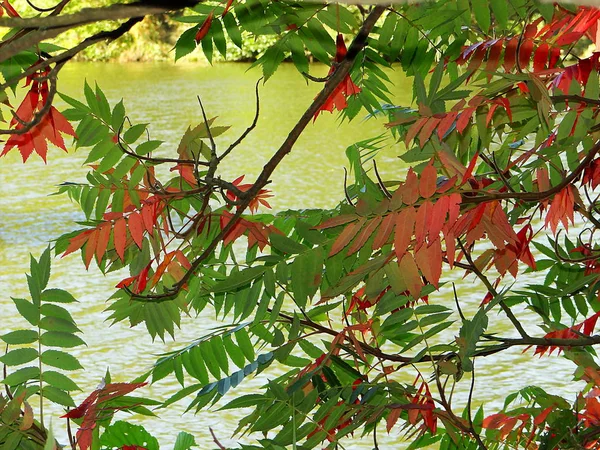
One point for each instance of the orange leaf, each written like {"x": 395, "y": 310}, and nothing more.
{"x": 364, "y": 235}
{"x": 384, "y": 231}
{"x": 392, "y": 418}
{"x": 136, "y": 228}
{"x": 405, "y": 225}
{"x": 412, "y": 278}
{"x": 337, "y": 221}
{"x": 429, "y": 260}
{"x": 427, "y": 183}
{"x": 90, "y": 248}
{"x": 103, "y": 238}
{"x": 76, "y": 242}
{"x": 346, "y": 236}
{"x": 422, "y": 220}
{"x": 414, "y": 130}
{"x": 120, "y": 237}
{"x": 410, "y": 188}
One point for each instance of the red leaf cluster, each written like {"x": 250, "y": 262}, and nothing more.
{"x": 561, "y": 209}
{"x": 346, "y": 87}
{"x": 424, "y": 406}
{"x": 586, "y": 327}
{"x": 257, "y": 232}
{"x": 117, "y": 225}
{"x": 260, "y": 198}
{"x": 50, "y": 127}
{"x": 95, "y": 404}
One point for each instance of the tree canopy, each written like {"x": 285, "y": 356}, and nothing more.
{"x": 501, "y": 144}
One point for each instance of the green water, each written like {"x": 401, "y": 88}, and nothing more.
{"x": 311, "y": 176}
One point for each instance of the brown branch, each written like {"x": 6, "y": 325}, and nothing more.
{"x": 263, "y": 179}
{"x": 52, "y": 26}
{"x": 68, "y": 54}
{"x": 535, "y": 196}
{"x": 493, "y": 291}
{"x": 118, "y": 11}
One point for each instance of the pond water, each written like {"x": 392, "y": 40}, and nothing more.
{"x": 310, "y": 177}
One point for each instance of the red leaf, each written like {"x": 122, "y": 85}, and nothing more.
{"x": 9, "y": 9}
{"x": 494, "y": 56}
{"x": 95, "y": 404}
{"x": 464, "y": 119}
{"x": 561, "y": 209}
{"x": 446, "y": 123}
{"x": 525, "y": 51}
{"x": 428, "y": 129}
{"x": 120, "y": 237}
{"x": 136, "y": 228}
{"x": 405, "y": 225}
{"x": 203, "y": 30}
{"x": 554, "y": 57}
{"x": 427, "y": 183}
{"x": 469, "y": 171}
{"x": 541, "y": 57}
{"x": 510, "y": 54}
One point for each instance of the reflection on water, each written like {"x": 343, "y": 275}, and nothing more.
{"x": 310, "y": 177}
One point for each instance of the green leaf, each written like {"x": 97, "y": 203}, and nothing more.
{"x": 146, "y": 147}
{"x": 286, "y": 245}
{"x": 184, "y": 441}
{"x": 123, "y": 433}
{"x": 60, "y": 339}
{"x": 57, "y": 296}
{"x": 306, "y": 272}
{"x": 22, "y": 375}
{"x": 134, "y": 133}
{"x": 19, "y": 356}
{"x": 233, "y": 29}
{"x": 245, "y": 401}
{"x": 239, "y": 279}
{"x": 57, "y": 324}
{"x": 61, "y": 360}
{"x": 28, "y": 310}
{"x": 500, "y": 10}
{"x": 481, "y": 11}
{"x": 59, "y": 380}
{"x": 59, "y": 396}
{"x": 271, "y": 60}
{"x": 186, "y": 43}
{"x": 20, "y": 337}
